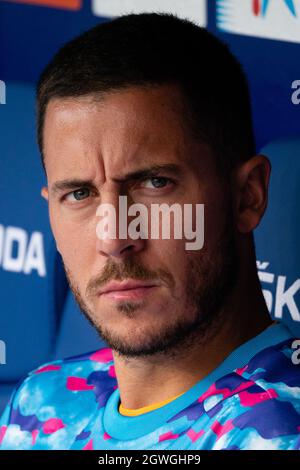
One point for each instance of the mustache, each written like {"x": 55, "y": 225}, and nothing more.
{"x": 127, "y": 269}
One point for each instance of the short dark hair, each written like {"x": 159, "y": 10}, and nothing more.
{"x": 152, "y": 49}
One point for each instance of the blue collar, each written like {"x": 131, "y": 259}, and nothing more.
{"x": 132, "y": 427}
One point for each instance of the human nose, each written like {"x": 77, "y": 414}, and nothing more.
{"x": 113, "y": 239}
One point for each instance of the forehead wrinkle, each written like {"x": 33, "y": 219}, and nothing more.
{"x": 144, "y": 135}
{"x": 122, "y": 144}
{"x": 139, "y": 149}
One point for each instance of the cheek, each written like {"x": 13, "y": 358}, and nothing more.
{"x": 70, "y": 242}
{"x": 171, "y": 256}
{"x": 215, "y": 220}
{"x": 61, "y": 232}
{"x": 76, "y": 255}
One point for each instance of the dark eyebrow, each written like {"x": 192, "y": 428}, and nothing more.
{"x": 149, "y": 172}
{"x": 64, "y": 185}
{"x": 69, "y": 184}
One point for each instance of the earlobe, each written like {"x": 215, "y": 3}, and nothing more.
{"x": 44, "y": 193}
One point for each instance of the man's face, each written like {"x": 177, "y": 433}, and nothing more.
{"x": 134, "y": 143}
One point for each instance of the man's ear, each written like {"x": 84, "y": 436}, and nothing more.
{"x": 250, "y": 186}
{"x": 44, "y": 193}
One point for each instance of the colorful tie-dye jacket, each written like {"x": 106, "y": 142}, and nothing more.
{"x": 251, "y": 401}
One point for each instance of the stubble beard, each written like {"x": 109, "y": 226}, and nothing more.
{"x": 209, "y": 283}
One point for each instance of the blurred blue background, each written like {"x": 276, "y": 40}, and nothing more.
{"x": 39, "y": 320}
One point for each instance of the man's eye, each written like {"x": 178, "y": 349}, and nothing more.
{"x": 78, "y": 195}
{"x": 155, "y": 182}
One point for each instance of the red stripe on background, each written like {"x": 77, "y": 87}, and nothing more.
{"x": 256, "y": 7}
{"x": 68, "y": 4}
